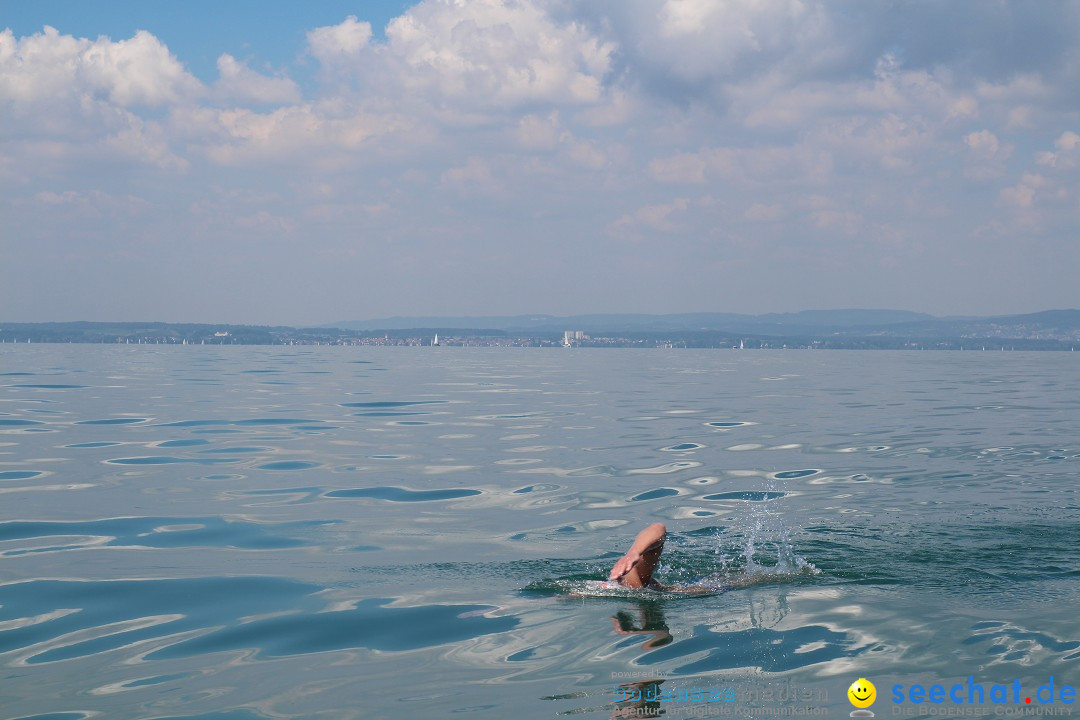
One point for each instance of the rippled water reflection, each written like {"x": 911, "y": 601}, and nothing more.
{"x": 258, "y": 533}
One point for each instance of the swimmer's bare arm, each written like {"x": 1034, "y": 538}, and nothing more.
{"x": 636, "y": 566}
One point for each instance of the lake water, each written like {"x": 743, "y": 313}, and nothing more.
{"x": 316, "y": 532}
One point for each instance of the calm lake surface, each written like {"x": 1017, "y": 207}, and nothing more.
{"x": 286, "y": 532}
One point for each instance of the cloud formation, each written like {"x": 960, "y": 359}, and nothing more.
{"x": 801, "y": 142}
{"x": 139, "y": 71}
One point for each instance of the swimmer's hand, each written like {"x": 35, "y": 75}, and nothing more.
{"x": 624, "y": 565}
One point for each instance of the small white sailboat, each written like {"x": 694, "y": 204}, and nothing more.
{"x": 435, "y": 342}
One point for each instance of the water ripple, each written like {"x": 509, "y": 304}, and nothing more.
{"x": 169, "y": 460}
{"x": 396, "y": 494}
{"x": 114, "y": 421}
{"x": 149, "y": 532}
{"x": 225, "y": 615}
{"x": 289, "y": 465}
{"x": 707, "y": 650}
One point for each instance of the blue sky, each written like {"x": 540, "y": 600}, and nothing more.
{"x": 279, "y": 162}
{"x": 266, "y": 33}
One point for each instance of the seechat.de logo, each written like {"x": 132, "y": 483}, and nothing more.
{"x": 862, "y": 694}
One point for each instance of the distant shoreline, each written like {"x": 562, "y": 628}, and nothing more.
{"x": 899, "y": 336}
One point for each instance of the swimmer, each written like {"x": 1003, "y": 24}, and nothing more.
{"x": 635, "y": 568}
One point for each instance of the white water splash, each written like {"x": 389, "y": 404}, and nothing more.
{"x": 755, "y": 551}
{"x": 768, "y": 549}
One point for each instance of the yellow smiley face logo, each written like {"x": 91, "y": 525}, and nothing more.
{"x": 862, "y": 693}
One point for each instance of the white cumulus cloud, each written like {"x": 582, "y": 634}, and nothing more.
{"x": 341, "y": 43}
{"x": 496, "y": 52}
{"x": 1066, "y": 153}
{"x": 139, "y": 71}
{"x": 238, "y": 83}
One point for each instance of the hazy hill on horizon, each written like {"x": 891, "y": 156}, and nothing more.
{"x": 644, "y": 322}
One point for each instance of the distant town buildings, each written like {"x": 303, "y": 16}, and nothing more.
{"x": 571, "y": 337}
